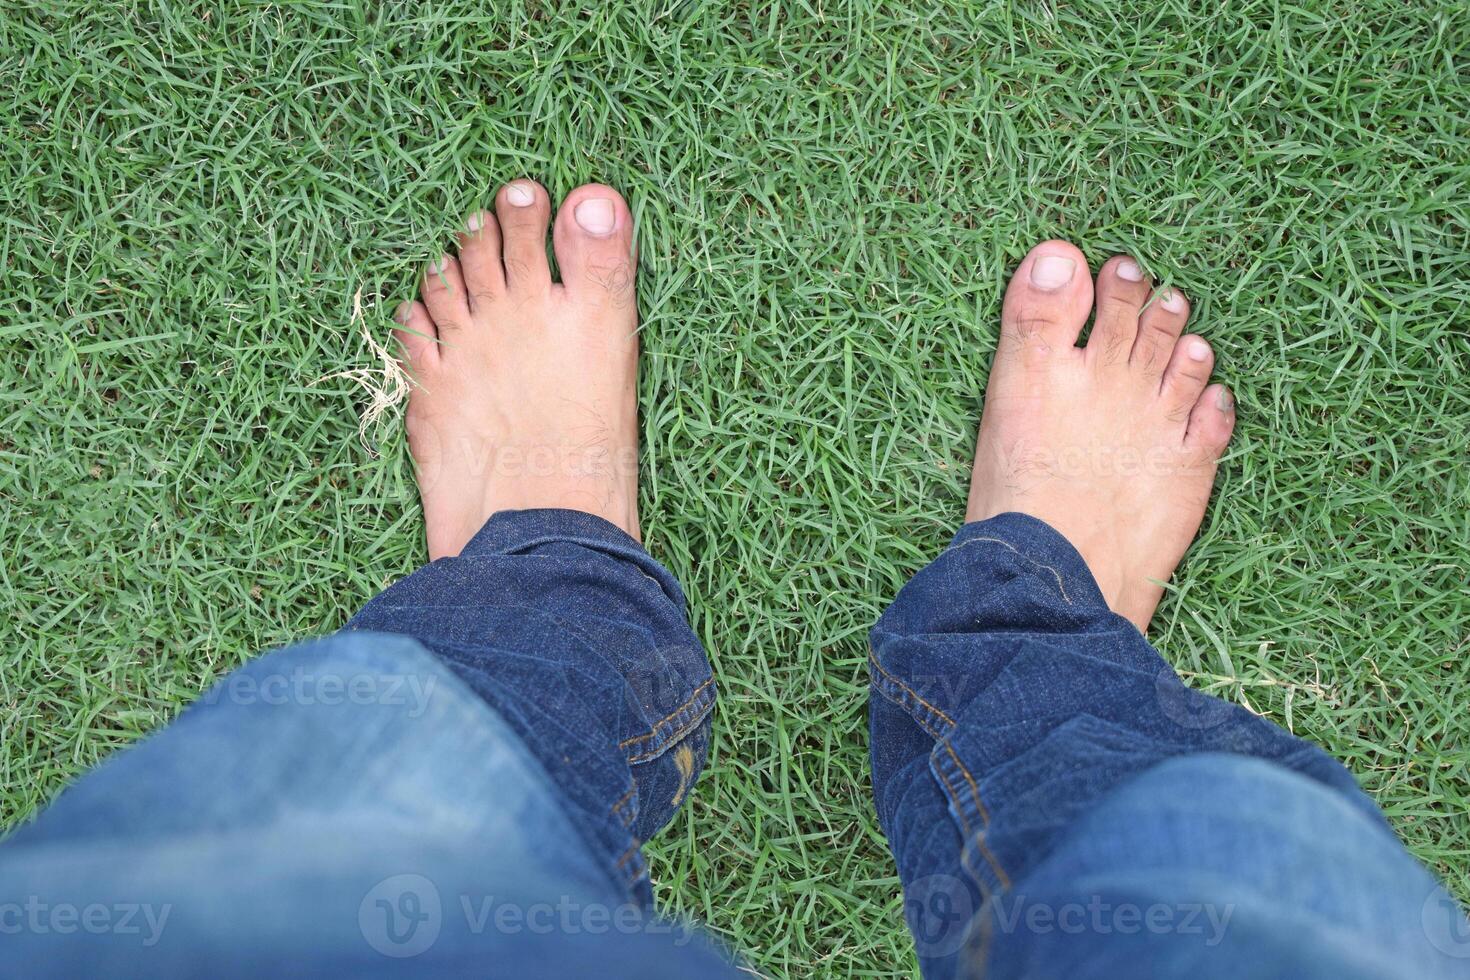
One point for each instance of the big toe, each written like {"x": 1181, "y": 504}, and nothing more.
{"x": 1048, "y": 300}
{"x": 593, "y": 237}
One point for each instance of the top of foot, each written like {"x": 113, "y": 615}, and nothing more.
{"x": 1113, "y": 444}
{"x": 526, "y": 388}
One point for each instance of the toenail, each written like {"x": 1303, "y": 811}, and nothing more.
{"x": 595, "y": 215}
{"x": 437, "y": 267}
{"x": 1226, "y": 402}
{"x": 475, "y": 222}
{"x": 1174, "y": 301}
{"x": 521, "y": 194}
{"x": 1199, "y": 351}
{"x": 1052, "y": 271}
{"x": 1128, "y": 269}
{"x": 404, "y": 311}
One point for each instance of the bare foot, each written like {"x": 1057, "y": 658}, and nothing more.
{"x": 527, "y": 388}
{"x": 1113, "y": 444}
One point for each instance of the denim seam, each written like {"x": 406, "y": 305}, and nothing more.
{"x": 974, "y": 789}
{"x": 1061, "y": 586}
{"x": 631, "y": 865}
{"x": 629, "y": 853}
{"x": 626, "y": 817}
{"x": 905, "y": 695}
{"x": 678, "y": 735}
{"x": 684, "y": 718}
{"x": 941, "y": 767}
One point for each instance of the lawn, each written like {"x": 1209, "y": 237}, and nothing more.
{"x": 829, "y": 198}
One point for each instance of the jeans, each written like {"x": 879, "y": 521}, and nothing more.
{"x": 458, "y": 783}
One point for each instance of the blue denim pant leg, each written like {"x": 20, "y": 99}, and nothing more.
{"x": 565, "y": 626}
{"x": 357, "y": 804}
{"x": 1020, "y": 733}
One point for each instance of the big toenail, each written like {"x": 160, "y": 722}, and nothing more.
{"x": 475, "y": 222}
{"x": 520, "y": 194}
{"x": 1199, "y": 351}
{"x": 1174, "y": 301}
{"x": 1128, "y": 269}
{"x": 1226, "y": 402}
{"x": 1052, "y": 271}
{"x": 595, "y": 215}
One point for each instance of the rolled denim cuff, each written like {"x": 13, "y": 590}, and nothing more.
{"x": 1041, "y": 547}
{"x": 514, "y": 532}
{"x": 578, "y": 638}
{"x": 1012, "y": 699}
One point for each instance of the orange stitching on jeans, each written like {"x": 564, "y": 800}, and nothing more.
{"x": 873, "y": 659}
{"x": 678, "y": 735}
{"x": 1000, "y": 873}
{"x": 949, "y": 788}
{"x": 624, "y": 802}
{"x": 974, "y": 790}
{"x": 979, "y": 839}
{"x": 631, "y": 852}
{"x": 667, "y": 718}
{"x": 984, "y": 849}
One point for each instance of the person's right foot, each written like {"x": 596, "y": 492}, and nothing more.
{"x": 1113, "y": 444}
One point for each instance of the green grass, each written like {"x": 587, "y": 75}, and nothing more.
{"x": 830, "y": 196}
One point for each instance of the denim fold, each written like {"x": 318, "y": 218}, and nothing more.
{"x": 575, "y": 635}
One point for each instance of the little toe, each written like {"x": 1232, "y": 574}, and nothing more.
{"x": 479, "y": 259}
{"x": 1159, "y": 327}
{"x": 1186, "y": 375}
{"x": 444, "y": 295}
{"x": 1122, "y": 290}
{"x": 593, "y": 237}
{"x": 1211, "y": 421}
{"x": 1048, "y": 300}
{"x": 523, "y": 209}
{"x": 416, "y": 336}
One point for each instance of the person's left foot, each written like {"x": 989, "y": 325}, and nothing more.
{"x": 525, "y": 389}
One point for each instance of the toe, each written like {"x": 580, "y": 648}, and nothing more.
{"x": 444, "y": 295}
{"x": 593, "y": 237}
{"x": 479, "y": 260}
{"x": 1122, "y": 290}
{"x": 523, "y": 210}
{"x": 1186, "y": 376}
{"x": 1211, "y": 422}
{"x": 1159, "y": 326}
{"x": 1048, "y": 299}
{"x": 416, "y": 336}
